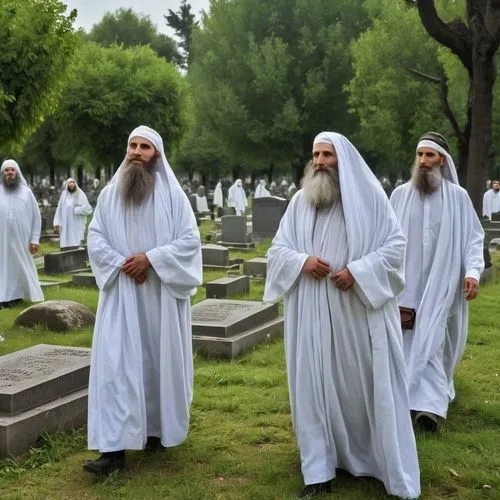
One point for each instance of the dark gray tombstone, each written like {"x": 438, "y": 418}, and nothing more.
{"x": 495, "y": 217}
{"x": 65, "y": 262}
{"x": 42, "y": 389}
{"x": 256, "y": 266}
{"x": 217, "y": 257}
{"x": 224, "y": 287}
{"x": 228, "y": 328}
{"x": 266, "y": 215}
{"x": 226, "y": 211}
{"x": 84, "y": 279}
{"x": 235, "y": 232}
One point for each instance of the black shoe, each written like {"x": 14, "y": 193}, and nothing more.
{"x": 12, "y": 303}
{"x": 153, "y": 444}
{"x": 106, "y": 463}
{"x": 426, "y": 421}
{"x": 316, "y": 490}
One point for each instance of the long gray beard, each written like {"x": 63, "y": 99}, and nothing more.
{"x": 426, "y": 181}
{"x": 321, "y": 189}
{"x": 136, "y": 182}
{"x": 11, "y": 184}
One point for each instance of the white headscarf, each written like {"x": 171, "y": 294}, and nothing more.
{"x": 449, "y": 170}
{"x": 77, "y": 196}
{"x": 14, "y": 164}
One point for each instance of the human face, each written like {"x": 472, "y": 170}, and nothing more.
{"x": 71, "y": 186}
{"x": 428, "y": 158}
{"x": 495, "y": 185}
{"x": 9, "y": 173}
{"x": 140, "y": 151}
{"x": 324, "y": 157}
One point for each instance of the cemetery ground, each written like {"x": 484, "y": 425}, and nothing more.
{"x": 241, "y": 444}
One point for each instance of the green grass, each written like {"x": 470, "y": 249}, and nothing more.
{"x": 241, "y": 444}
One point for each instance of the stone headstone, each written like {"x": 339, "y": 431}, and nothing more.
{"x": 225, "y": 211}
{"x": 224, "y": 287}
{"x": 256, "y": 266}
{"x": 56, "y": 315}
{"x": 84, "y": 279}
{"x": 495, "y": 217}
{"x": 42, "y": 389}
{"x": 228, "y": 328}
{"x": 266, "y": 215}
{"x": 65, "y": 262}
{"x": 234, "y": 229}
{"x": 217, "y": 257}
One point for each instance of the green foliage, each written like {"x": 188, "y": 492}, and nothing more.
{"x": 36, "y": 40}
{"x": 111, "y": 91}
{"x": 127, "y": 28}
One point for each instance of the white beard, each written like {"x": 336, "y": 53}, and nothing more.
{"x": 321, "y": 188}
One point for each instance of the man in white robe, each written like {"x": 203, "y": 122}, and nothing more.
{"x": 261, "y": 191}
{"x": 201, "y": 201}
{"x": 70, "y": 219}
{"x": 145, "y": 251}
{"x": 237, "y": 198}
{"x": 443, "y": 264}
{"x": 218, "y": 196}
{"x": 20, "y": 227}
{"x": 491, "y": 199}
{"x": 335, "y": 260}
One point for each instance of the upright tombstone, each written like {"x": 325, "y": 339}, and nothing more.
{"x": 229, "y": 328}
{"x": 217, "y": 257}
{"x": 224, "y": 287}
{"x": 66, "y": 261}
{"x": 256, "y": 267}
{"x": 495, "y": 217}
{"x": 266, "y": 215}
{"x": 235, "y": 232}
{"x": 42, "y": 389}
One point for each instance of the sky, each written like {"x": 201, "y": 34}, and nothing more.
{"x": 91, "y": 12}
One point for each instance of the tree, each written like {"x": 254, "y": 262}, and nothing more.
{"x": 125, "y": 27}
{"x": 183, "y": 23}
{"x": 267, "y": 76}
{"x": 110, "y": 92}
{"x": 37, "y": 40}
{"x": 475, "y": 43}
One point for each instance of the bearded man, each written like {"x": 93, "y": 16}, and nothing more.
{"x": 491, "y": 199}
{"x": 145, "y": 251}
{"x": 444, "y": 261}
{"x": 20, "y": 226}
{"x": 237, "y": 198}
{"x": 335, "y": 260}
{"x": 71, "y": 214}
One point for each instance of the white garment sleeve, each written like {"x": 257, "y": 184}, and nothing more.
{"x": 486, "y": 205}
{"x": 36, "y": 221}
{"x": 106, "y": 262}
{"x": 474, "y": 256}
{"x": 84, "y": 208}
{"x": 57, "y": 215}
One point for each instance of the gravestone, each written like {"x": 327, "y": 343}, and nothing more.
{"x": 217, "y": 257}
{"x": 229, "y": 328}
{"x": 65, "y": 262}
{"x": 266, "y": 215}
{"x": 495, "y": 217}
{"x": 256, "y": 266}
{"x": 42, "y": 389}
{"x": 225, "y": 211}
{"x": 84, "y": 279}
{"x": 235, "y": 232}
{"x": 224, "y": 287}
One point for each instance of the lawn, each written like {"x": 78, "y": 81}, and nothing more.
{"x": 241, "y": 444}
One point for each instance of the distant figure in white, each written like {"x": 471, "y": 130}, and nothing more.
{"x": 218, "y": 195}
{"x": 70, "y": 219}
{"x": 237, "y": 198}
{"x": 261, "y": 191}
{"x": 491, "y": 199}
{"x": 20, "y": 226}
{"x": 201, "y": 201}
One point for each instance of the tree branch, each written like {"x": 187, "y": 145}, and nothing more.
{"x": 454, "y": 35}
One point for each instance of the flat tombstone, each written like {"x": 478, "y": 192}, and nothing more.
{"x": 40, "y": 374}
{"x": 266, "y": 215}
{"x": 224, "y": 318}
{"x": 223, "y": 287}
{"x": 214, "y": 255}
{"x": 84, "y": 279}
{"x": 65, "y": 262}
{"x": 495, "y": 217}
{"x": 234, "y": 229}
{"x": 256, "y": 266}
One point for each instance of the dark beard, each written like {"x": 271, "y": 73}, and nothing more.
{"x": 137, "y": 181}
{"x": 11, "y": 184}
{"x": 426, "y": 182}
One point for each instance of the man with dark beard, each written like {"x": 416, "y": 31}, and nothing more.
{"x": 444, "y": 261}
{"x": 20, "y": 226}
{"x": 145, "y": 251}
{"x": 70, "y": 218}
{"x": 335, "y": 261}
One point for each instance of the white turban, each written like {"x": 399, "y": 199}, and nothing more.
{"x": 449, "y": 170}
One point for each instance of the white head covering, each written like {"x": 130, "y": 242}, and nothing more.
{"x": 75, "y": 194}
{"x": 449, "y": 170}
{"x": 14, "y": 164}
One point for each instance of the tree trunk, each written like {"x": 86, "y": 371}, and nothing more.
{"x": 52, "y": 175}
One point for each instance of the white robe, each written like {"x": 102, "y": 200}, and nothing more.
{"x": 261, "y": 191}
{"x": 20, "y": 225}
{"x": 201, "y": 204}
{"x": 218, "y": 196}
{"x": 141, "y": 376}
{"x": 491, "y": 203}
{"x": 237, "y": 198}
{"x": 71, "y": 215}
{"x": 445, "y": 245}
{"x": 344, "y": 350}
